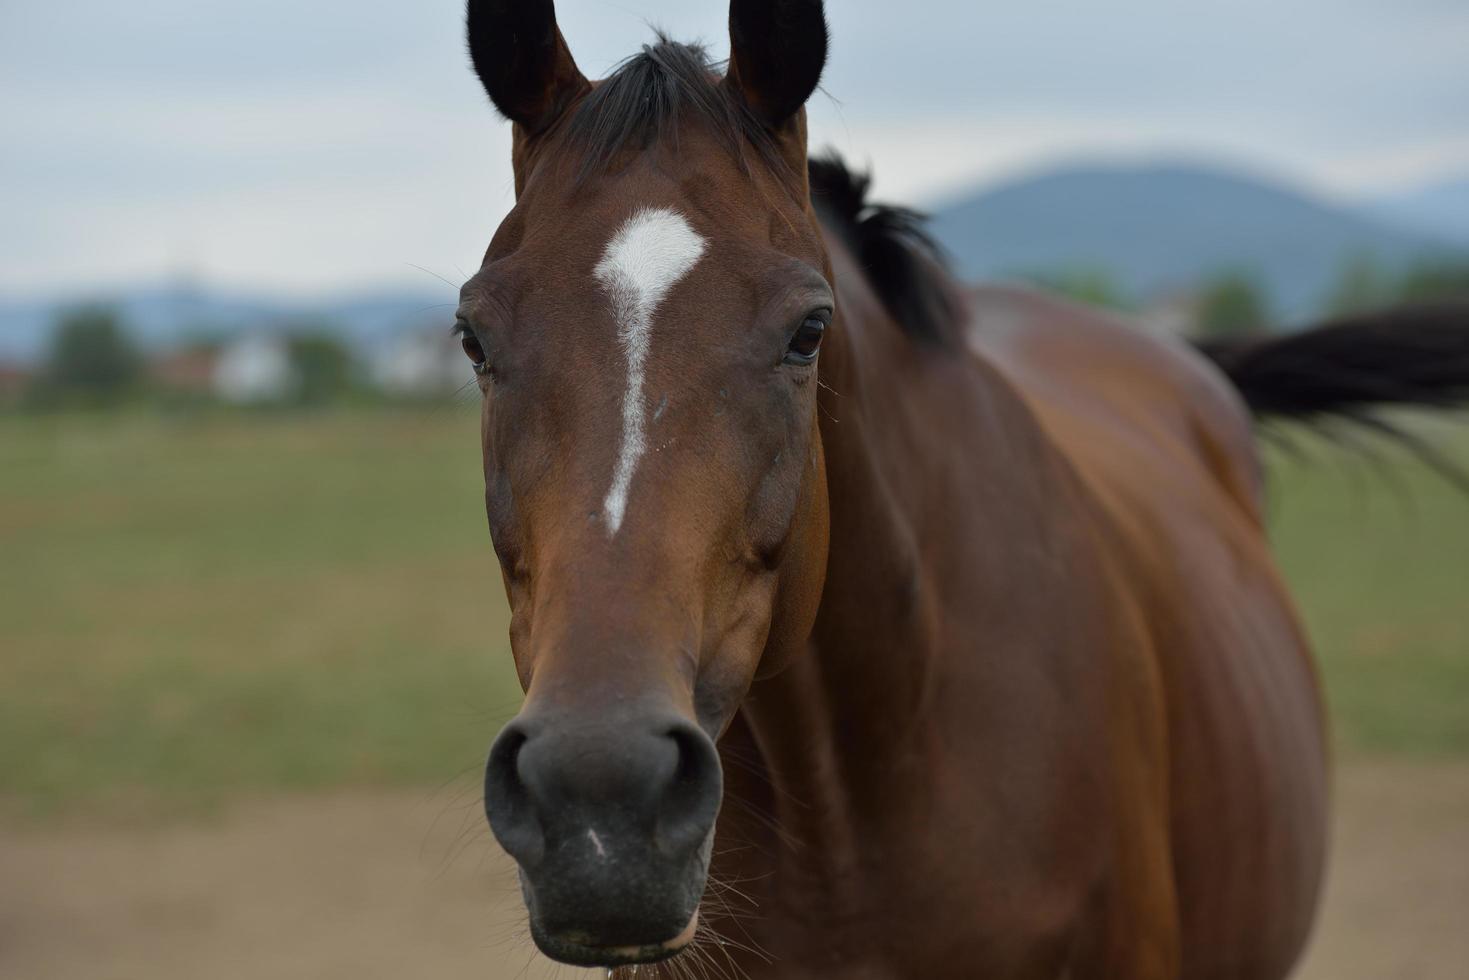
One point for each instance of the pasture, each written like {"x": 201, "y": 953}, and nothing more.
{"x": 201, "y": 608}
{"x": 195, "y": 609}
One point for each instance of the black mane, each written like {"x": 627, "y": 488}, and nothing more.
{"x": 642, "y": 104}
{"x": 904, "y": 264}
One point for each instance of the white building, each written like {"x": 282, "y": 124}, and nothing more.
{"x": 422, "y": 363}
{"x": 254, "y": 367}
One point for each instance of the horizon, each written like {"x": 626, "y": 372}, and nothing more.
{"x": 419, "y": 281}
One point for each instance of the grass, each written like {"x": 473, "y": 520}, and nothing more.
{"x": 191, "y": 610}
{"x": 1378, "y": 557}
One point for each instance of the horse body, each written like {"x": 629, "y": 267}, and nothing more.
{"x": 1166, "y": 444}
{"x": 1089, "y": 745}
{"x": 956, "y": 651}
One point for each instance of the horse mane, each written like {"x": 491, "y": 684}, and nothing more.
{"x": 903, "y": 262}
{"x": 646, "y": 97}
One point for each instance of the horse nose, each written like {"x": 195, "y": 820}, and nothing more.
{"x": 603, "y": 791}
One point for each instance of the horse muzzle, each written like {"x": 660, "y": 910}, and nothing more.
{"x": 611, "y": 823}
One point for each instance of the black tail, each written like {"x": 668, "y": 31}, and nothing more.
{"x": 1350, "y": 368}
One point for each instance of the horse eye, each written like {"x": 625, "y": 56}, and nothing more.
{"x": 806, "y": 341}
{"x": 472, "y": 349}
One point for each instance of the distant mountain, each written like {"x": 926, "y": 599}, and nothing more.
{"x": 1440, "y": 209}
{"x": 161, "y": 316}
{"x": 1160, "y": 229}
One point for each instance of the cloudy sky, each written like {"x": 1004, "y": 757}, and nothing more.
{"x": 305, "y": 146}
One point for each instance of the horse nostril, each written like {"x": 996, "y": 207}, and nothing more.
{"x": 691, "y": 801}
{"x": 550, "y": 787}
{"x": 507, "y": 802}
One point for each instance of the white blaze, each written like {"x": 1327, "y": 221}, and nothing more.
{"x": 652, "y": 251}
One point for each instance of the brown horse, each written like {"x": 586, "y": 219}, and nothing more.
{"x": 871, "y": 626}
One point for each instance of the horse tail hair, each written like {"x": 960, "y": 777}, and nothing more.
{"x": 1351, "y": 368}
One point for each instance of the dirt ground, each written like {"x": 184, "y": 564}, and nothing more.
{"x": 374, "y": 886}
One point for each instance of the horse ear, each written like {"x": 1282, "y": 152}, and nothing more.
{"x": 522, "y": 59}
{"x": 777, "y": 49}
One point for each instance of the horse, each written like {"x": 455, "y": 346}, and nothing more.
{"x": 870, "y": 624}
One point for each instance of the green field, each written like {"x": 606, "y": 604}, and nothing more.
{"x": 193, "y": 610}
{"x": 1378, "y": 556}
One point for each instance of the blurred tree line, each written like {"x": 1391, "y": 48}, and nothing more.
{"x": 1235, "y": 303}
{"x": 95, "y": 361}
{"x": 1365, "y": 285}
{"x": 321, "y": 365}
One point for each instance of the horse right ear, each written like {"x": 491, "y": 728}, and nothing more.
{"x": 777, "y": 49}
{"x": 522, "y": 59}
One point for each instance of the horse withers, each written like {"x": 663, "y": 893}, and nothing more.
{"x": 870, "y": 625}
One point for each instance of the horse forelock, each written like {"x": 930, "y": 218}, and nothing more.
{"x": 647, "y": 97}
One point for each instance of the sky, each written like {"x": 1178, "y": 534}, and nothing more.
{"x": 315, "y": 146}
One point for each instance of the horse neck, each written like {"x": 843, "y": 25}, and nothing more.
{"x": 846, "y": 726}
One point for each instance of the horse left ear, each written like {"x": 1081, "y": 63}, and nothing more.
{"x": 777, "y": 49}
{"x": 522, "y": 59}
